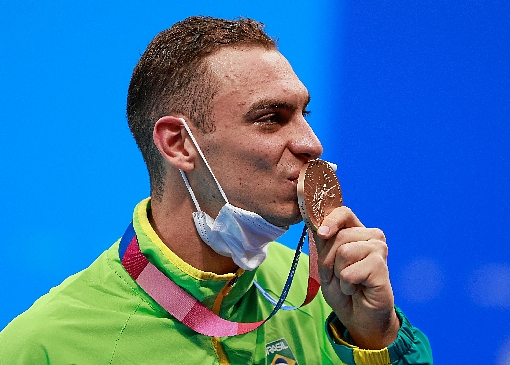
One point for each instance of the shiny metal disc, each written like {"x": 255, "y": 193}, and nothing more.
{"x": 318, "y": 192}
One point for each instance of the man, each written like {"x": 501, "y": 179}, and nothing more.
{"x": 219, "y": 116}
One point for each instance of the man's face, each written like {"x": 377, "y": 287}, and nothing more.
{"x": 261, "y": 138}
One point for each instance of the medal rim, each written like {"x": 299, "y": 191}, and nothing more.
{"x": 302, "y": 201}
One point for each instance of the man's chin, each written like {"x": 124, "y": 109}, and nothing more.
{"x": 285, "y": 222}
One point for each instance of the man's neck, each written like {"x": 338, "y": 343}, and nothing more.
{"x": 172, "y": 220}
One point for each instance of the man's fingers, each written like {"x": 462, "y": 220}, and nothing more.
{"x": 354, "y": 252}
{"x": 359, "y": 234}
{"x": 347, "y": 287}
{"x": 370, "y": 272}
{"x": 353, "y": 262}
{"x": 335, "y": 221}
{"x": 351, "y": 245}
{"x": 350, "y": 253}
{"x": 339, "y": 218}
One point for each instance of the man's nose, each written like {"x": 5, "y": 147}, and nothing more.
{"x": 305, "y": 142}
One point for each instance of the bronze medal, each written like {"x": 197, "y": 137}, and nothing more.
{"x": 318, "y": 192}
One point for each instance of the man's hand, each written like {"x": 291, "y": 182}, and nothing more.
{"x": 355, "y": 279}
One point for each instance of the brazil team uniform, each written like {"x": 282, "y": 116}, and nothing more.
{"x": 101, "y": 316}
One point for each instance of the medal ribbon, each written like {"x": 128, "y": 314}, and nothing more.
{"x": 187, "y": 309}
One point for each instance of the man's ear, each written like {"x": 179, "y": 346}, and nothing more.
{"x": 173, "y": 143}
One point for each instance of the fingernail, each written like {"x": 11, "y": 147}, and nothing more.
{"x": 323, "y": 230}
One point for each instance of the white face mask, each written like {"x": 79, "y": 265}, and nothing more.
{"x": 236, "y": 233}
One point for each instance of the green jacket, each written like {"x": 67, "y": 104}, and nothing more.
{"x": 101, "y": 316}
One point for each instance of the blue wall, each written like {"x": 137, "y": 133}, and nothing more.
{"x": 409, "y": 98}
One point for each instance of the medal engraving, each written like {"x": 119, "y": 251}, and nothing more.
{"x": 318, "y": 192}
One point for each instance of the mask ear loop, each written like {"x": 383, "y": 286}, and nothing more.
{"x": 205, "y": 161}
{"x": 193, "y": 197}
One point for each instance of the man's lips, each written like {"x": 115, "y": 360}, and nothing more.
{"x": 294, "y": 177}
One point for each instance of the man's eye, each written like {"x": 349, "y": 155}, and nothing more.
{"x": 269, "y": 119}
{"x": 270, "y": 122}
{"x": 306, "y": 113}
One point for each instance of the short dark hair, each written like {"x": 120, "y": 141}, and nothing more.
{"x": 173, "y": 77}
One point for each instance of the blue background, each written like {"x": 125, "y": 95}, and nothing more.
{"x": 409, "y": 98}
